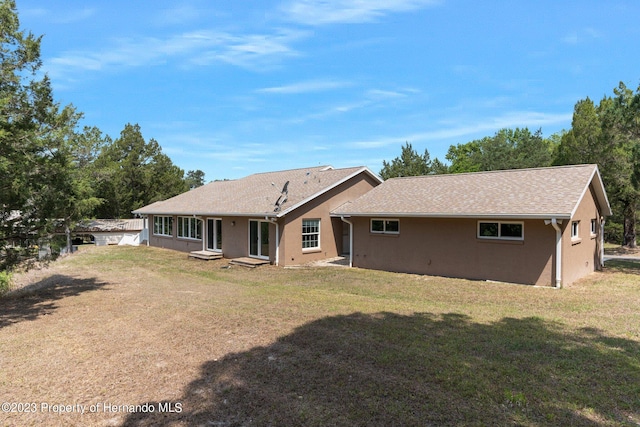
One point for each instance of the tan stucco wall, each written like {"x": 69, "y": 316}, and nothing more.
{"x": 291, "y": 252}
{"x": 580, "y": 256}
{"x": 185, "y": 245}
{"x": 235, "y": 230}
{"x": 449, "y": 247}
{"x": 235, "y": 237}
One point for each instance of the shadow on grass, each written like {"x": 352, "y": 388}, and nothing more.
{"x": 388, "y": 369}
{"x": 39, "y": 299}
{"x": 623, "y": 266}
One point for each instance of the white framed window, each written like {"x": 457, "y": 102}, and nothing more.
{"x": 385, "y": 226}
{"x": 163, "y": 225}
{"x": 505, "y": 230}
{"x": 189, "y": 228}
{"x": 594, "y": 230}
{"x": 575, "y": 230}
{"x": 310, "y": 234}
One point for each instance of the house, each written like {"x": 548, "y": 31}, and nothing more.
{"x": 112, "y": 231}
{"x": 278, "y": 217}
{"x": 538, "y": 226}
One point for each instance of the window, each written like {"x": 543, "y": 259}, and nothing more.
{"x": 501, "y": 230}
{"x": 163, "y": 225}
{"x": 189, "y": 228}
{"x": 385, "y": 226}
{"x": 593, "y": 227}
{"x": 310, "y": 234}
{"x": 575, "y": 230}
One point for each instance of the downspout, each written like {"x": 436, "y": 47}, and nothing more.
{"x": 145, "y": 224}
{"x": 350, "y": 239}
{"x": 602, "y": 221}
{"x": 275, "y": 221}
{"x": 554, "y": 223}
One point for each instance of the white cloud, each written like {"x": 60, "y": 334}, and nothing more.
{"x": 60, "y": 16}
{"x": 522, "y": 119}
{"x": 200, "y": 48}
{"x": 582, "y": 36}
{"x": 305, "y": 87}
{"x": 320, "y": 12}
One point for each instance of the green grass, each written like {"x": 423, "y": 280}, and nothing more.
{"x": 273, "y": 346}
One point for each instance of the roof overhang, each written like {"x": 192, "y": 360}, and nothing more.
{"x": 600, "y": 193}
{"x": 211, "y": 214}
{"x": 455, "y": 216}
{"x": 365, "y": 169}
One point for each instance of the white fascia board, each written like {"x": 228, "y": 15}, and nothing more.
{"x": 449, "y": 215}
{"x": 329, "y": 188}
{"x": 601, "y": 194}
{"x": 216, "y": 214}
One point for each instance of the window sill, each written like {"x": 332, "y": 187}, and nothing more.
{"x": 576, "y": 241}
{"x": 189, "y": 239}
{"x": 166, "y": 236}
{"x": 501, "y": 241}
{"x": 311, "y": 250}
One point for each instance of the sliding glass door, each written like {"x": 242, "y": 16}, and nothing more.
{"x": 259, "y": 239}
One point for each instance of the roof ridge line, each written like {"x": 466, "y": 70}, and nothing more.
{"x": 496, "y": 171}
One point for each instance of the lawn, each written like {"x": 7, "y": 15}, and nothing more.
{"x": 201, "y": 344}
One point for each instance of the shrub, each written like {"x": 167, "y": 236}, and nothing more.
{"x": 5, "y": 282}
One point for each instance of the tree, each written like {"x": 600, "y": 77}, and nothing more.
{"x": 410, "y": 163}
{"x": 608, "y": 134}
{"x": 136, "y": 173}
{"x": 507, "y": 149}
{"x": 194, "y": 179}
{"x": 35, "y": 170}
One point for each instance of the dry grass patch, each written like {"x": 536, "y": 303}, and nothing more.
{"x": 269, "y": 346}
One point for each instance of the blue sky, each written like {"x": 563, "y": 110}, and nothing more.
{"x": 234, "y": 88}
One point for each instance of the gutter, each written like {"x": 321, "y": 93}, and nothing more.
{"x": 602, "y": 221}
{"x": 350, "y": 239}
{"x": 554, "y": 223}
{"x": 274, "y": 221}
{"x": 446, "y": 215}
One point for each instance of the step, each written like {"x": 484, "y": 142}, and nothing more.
{"x": 206, "y": 255}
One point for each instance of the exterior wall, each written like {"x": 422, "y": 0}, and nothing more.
{"x": 450, "y": 247}
{"x": 235, "y": 240}
{"x": 235, "y": 230}
{"x": 173, "y": 242}
{"x": 291, "y": 252}
{"x": 580, "y": 256}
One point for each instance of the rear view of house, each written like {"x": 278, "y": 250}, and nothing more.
{"x": 533, "y": 226}
{"x": 280, "y": 217}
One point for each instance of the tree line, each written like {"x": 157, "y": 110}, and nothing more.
{"x": 606, "y": 134}
{"x": 52, "y": 173}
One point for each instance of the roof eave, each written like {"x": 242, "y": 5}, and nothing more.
{"x": 329, "y": 188}
{"x": 212, "y": 214}
{"x": 452, "y": 215}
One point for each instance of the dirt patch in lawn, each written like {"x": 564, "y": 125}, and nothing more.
{"x": 146, "y": 337}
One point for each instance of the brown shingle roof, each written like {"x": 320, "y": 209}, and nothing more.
{"x": 540, "y": 192}
{"x": 255, "y": 194}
